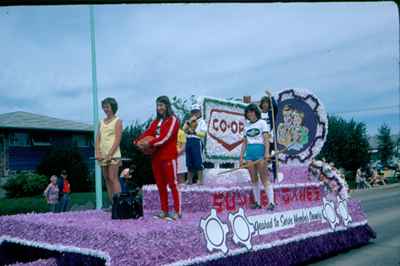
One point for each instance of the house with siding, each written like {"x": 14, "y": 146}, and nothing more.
{"x": 25, "y": 138}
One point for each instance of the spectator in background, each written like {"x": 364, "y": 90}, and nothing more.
{"x": 60, "y": 185}
{"x": 51, "y": 194}
{"x": 181, "y": 146}
{"x": 359, "y": 174}
{"x": 66, "y": 190}
{"x": 376, "y": 179}
{"x": 196, "y": 130}
{"x": 125, "y": 174}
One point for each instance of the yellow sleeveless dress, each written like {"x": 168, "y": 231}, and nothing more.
{"x": 107, "y": 137}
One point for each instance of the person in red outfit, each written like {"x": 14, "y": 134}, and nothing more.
{"x": 164, "y": 129}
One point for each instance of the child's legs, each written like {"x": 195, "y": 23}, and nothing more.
{"x": 65, "y": 202}
{"x": 255, "y": 183}
{"x": 262, "y": 169}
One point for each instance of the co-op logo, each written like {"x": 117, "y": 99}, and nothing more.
{"x": 226, "y": 128}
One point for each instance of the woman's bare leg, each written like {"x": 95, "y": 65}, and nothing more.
{"x": 105, "y": 172}
{"x": 255, "y": 184}
{"x": 113, "y": 178}
{"x": 262, "y": 169}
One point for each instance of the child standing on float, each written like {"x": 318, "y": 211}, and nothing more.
{"x": 255, "y": 153}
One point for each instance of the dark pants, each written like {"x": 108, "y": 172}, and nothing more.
{"x": 62, "y": 205}
{"x": 194, "y": 158}
{"x": 124, "y": 187}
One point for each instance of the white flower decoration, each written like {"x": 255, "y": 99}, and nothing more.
{"x": 215, "y": 232}
{"x": 329, "y": 213}
{"x": 343, "y": 211}
{"x": 243, "y": 230}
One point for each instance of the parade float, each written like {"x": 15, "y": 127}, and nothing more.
{"x": 314, "y": 217}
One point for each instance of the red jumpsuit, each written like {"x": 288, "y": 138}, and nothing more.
{"x": 164, "y": 158}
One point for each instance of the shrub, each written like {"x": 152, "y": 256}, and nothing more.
{"x": 25, "y": 185}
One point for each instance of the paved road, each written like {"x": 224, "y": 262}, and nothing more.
{"x": 382, "y": 206}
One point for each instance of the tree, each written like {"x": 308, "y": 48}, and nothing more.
{"x": 385, "y": 144}
{"x": 143, "y": 172}
{"x": 69, "y": 159}
{"x": 182, "y": 107}
{"x": 346, "y": 144}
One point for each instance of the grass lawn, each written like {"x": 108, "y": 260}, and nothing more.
{"x": 39, "y": 204}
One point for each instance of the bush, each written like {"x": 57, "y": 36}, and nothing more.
{"x": 25, "y": 185}
{"x": 71, "y": 160}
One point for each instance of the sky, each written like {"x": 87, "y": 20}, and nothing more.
{"x": 345, "y": 53}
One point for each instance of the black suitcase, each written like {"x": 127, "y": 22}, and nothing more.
{"x": 126, "y": 205}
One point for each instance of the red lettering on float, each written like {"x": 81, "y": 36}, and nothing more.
{"x": 230, "y": 200}
{"x": 214, "y": 124}
{"x": 242, "y": 198}
{"x": 302, "y": 194}
{"x": 309, "y": 194}
{"x": 317, "y": 194}
{"x": 218, "y": 201}
{"x": 286, "y": 195}
{"x": 264, "y": 199}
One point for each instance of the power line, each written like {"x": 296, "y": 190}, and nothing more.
{"x": 367, "y": 109}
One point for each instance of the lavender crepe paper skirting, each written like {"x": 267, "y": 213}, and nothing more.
{"x": 301, "y": 252}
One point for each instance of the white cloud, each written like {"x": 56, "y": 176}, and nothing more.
{"x": 223, "y": 50}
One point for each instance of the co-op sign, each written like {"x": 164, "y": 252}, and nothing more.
{"x": 225, "y": 128}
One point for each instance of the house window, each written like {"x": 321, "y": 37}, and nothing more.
{"x": 41, "y": 140}
{"x": 81, "y": 141}
{"x": 19, "y": 139}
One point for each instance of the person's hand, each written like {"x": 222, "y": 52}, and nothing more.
{"x": 242, "y": 162}
{"x": 267, "y": 157}
{"x": 108, "y": 158}
{"x": 99, "y": 157}
{"x": 145, "y": 145}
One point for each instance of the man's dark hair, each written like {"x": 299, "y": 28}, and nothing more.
{"x": 252, "y": 108}
{"x": 165, "y": 100}
{"x": 112, "y": 102}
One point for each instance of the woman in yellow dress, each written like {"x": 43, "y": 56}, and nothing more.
{"x": 108, "y": 139}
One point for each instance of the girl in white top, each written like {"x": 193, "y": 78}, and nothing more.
{"x": 255, "y": 152}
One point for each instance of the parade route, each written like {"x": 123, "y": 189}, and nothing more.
{"x": 382, "y": 205}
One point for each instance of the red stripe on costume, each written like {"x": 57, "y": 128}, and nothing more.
{"x": 168, "y": 135}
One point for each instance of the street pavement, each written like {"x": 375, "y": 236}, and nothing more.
{"x": 382, "y": 205}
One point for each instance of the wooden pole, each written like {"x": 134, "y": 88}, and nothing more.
{"x": 274, "y": 132}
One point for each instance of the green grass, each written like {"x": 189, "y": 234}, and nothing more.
{"x": 39, "y": 204}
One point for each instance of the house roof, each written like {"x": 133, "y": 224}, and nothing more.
{"x": 25, "y": 120}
